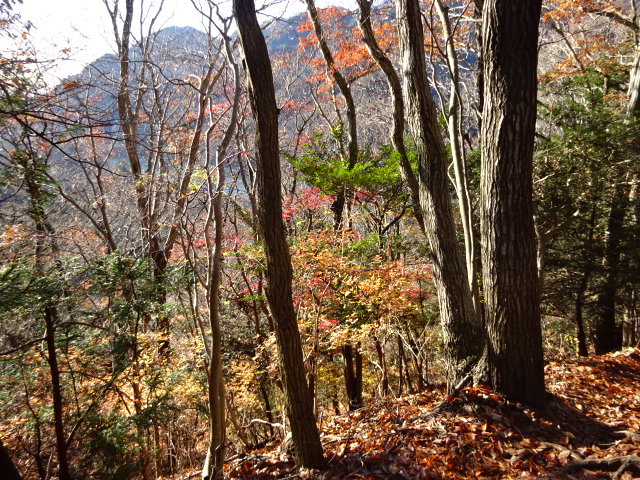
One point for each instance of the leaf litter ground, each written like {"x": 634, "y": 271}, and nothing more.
{"x": 590, "y": 430}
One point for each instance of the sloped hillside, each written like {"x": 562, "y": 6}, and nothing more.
{"x": 590, "y": 430}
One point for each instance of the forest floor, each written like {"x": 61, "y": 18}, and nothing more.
{"x": 591, "y": 430}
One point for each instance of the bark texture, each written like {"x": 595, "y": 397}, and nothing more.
{"x": 463, "y": 336}
{"x": 306, "y": 438}
{"x": 510, "y": 280}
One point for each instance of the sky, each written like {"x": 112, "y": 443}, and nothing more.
{"x": 84, "y": 27}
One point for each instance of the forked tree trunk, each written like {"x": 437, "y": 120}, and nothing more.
{"x": 305, "y": 435}
{"x": 510, "y": 278}
{"x": 463, "y": 336}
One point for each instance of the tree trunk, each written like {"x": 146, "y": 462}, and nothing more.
{"x": 382, "y": 360}
{"x": 8, "y": 469}
{"x": 353, "y": 376}
{"x": 583, "y": 351}
{"x": 214, "y": 462}
{"x": 478, "y": 7}
{"x": 401, "y": 362}
{"x": 633, "y": 92}
{"x": 463, "y": 336}
{"x": 510, "y": 279}
{"x": 306, "y": 438}
{"x": 587, "y": 270}
{"x": 454, "y": 123}
{"x": 395, "y": 88}
{"x": 267, "y": 406}
{"x": 630, "y": 321}
{"x": 56, "y": 387}
{"x": 606, "y": 336}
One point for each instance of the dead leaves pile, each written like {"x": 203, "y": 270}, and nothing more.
{"x": 591, "y": 430}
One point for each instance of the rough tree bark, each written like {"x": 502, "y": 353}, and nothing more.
{"x": 306, "y": 438}
{"x": 463, "y": 336}
{"x": 510, "y": 279}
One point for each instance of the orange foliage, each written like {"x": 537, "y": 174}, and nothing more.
{"x": 349, "y": 52}
{"x": 591, "y": 40}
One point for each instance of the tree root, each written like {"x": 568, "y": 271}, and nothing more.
{"x": 617, "y": 464}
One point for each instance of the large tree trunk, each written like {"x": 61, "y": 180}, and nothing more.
{"x": 306, "y": 438}
{"x": 510, "y": 279}
{"x": 463, "y": 336}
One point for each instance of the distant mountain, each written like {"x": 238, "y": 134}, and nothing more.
{"x": 283, "y": 35}
{"x": 189, "y": 45}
